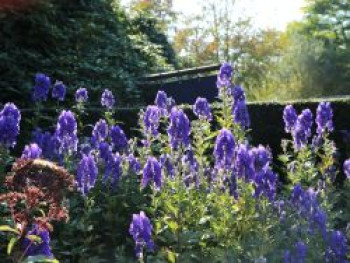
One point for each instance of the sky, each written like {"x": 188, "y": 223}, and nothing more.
{"x": 264, "y": 13}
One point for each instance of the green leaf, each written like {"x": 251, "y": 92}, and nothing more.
{"x": 11, "y": 244}
{"x": 5, "y": 228}
{"x": 171, "y": 256}
{"x": 41, "y": 259}
{"x": 34, "y": 238}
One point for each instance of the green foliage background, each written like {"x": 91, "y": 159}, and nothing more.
{"x": 89, "y": 43}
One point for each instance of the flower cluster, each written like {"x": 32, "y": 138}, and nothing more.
{"x": 224, "y": 149}
{"x": 81, "y": 95}
{"x": 161, "y": 102}
{"x": 141, "y": 231}
{"x": 31, "y": 151}
{"x": 41, "y": 87}
{"x": 66, "y": 132}
{"x": 10, "y": 118}
{"x": 152, "y": 171}
{"x": 113, "y": 170}
{"x": 201, "y": 109}
{"x": 225, "y": 75}
{"x": 107, "y": 99}
{"x": 151, "y": 120}
{"x": 99, "y": 132}
{"x": 239, "y": 107}
{"x": 119, "y": 140}
{"x": 347, "y": 168}
{"x": 179, "y": 129}
{"x": 324, "y": 117}
{"x": 59, "y": 91}
{"x": 290, "y": 118}
{"x": 41, "y": 248}
{"x": 86, "y": 174}
{"x": 47, "y": 142}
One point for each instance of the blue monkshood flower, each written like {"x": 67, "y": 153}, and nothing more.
{"x": 134, "y": 164}
{"x": 201, "y": 109}
{"x": 31, "y": 151}
{"x": 113, "y": 170}
{"x": 151, "y": 120}
{"x": 324, "y": 117}
{"x": 99, "y": 132}
{"x": 241, "y": 114}
{"x": 107, "y": 99}
{"x": 161, "y": 101}
{"x": 290, "y": 118}
{"x": 347, "y": 168}
{"x": 265, "y": 183}
{"x": 81, "y": 95}
{"x": 86, "y": 174}
{"x": 224, "y": 149}
{"x": 41, "y": 87}
{"x": 10, "y": 118}
{"x": 301, "y": 250}
{"x": 170, "y": 104}
{"x": 262, "y": 158}
{"x": 244, "y": 163}
{"x": 319, "y": 220}
{"x": 37, "y": 248}
{"x": 152, "y": 171}
{"x": 47, "y": 142}
{"x": 66, "y": 132}
{"x": 302, "y": 129}
{"x": 119, "y": 140}
{"x": 225, "y": 75}
{"x": 105, "y": 151}
{"x": 179, "y": 129}
{"x": 141, "y": 231}
{"x": 287, "y": 256}
{"x": 238, "y": 94}
{"x": 167, "y": 165}
{"x": 337, "y": 250}
{"x": 59, "y": 91}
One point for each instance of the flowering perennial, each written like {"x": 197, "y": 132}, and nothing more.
{"x": 66, "y": 132}
{"x": 107, "y": 99}
{"x": 81, "y": 95}
{"x": 141, "y": 231}
{"x": 10, "y": 118}
{"x": 31, "y": 151}
{"x": 100, "y": 132}
{"x": 179, "y": 129}
{"x": 224, "y": 149}
{"x": 119, "y": 140}
{"x": 151, "y": 120}
{"x": 59, "y": 91}
{"x": 324, "y": 117}
{"x": 41, "y": 87}
{"x": 152, "y": 171}
{"x": 201, "y": 109}
{"x": 86, "y": 174}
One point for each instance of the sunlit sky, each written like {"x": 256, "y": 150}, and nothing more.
{"x": 264, "y": 13}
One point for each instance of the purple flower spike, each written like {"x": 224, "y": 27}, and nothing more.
{"x": 107, "y": 99}
{"x": 10, "y": 118}
{"x": 241, "y": 114}
{"x": 59, "y": 91}
{"x": 238, "y": 94}
{"x": 37, "y": 248}
{"x": 81, "y": 95}
{"x": 202, "y": 109}
{"x": 302, "y": 129}
{"x": 32, "y": 151}
{"x": 244, "y": 163}
{"x": 119, "y": 140}
{"x": 224, "y": 149}
{"x": 41, "y": 88}
{"x": 152, "y": 171}
{"x": 113, "y": 171}
{"x": 66, "y": 132}
{"x": 100, "y": 132}
{"x": 162, "y": 101}
{"x": 225, "y": 75}
{"x": 324, "y": 117}
{"x": 141, "y": 231}
{"x": 86, "y": 174}
{"x": 337, "y": 250}
{"x": 290, "y": 118}
{"x": 179, "y": 129}
{"x": 151, "y": 120}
